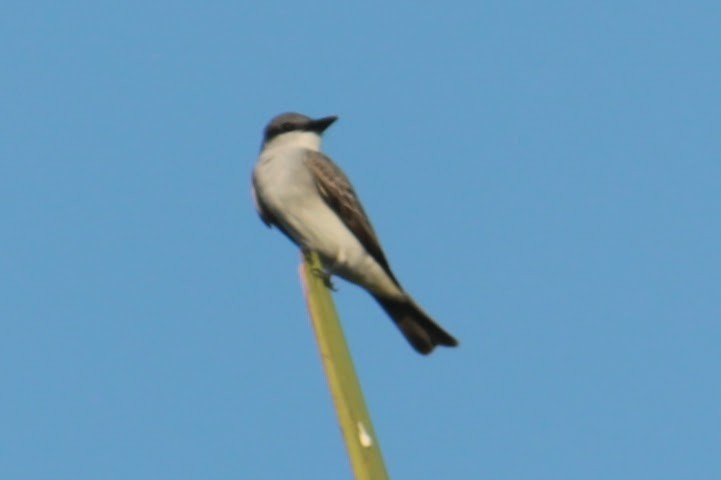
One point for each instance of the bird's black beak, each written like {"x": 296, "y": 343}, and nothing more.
{"x": 319, "y": 125}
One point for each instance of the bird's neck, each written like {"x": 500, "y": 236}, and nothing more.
{"x": 304, "y": 140}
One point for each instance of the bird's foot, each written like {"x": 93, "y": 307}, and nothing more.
{"x": 325, "y": 276}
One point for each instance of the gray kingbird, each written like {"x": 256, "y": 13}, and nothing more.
{"x": 305, "y": 195}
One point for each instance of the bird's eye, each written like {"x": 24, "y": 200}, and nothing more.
{"x": 286, "y": 127}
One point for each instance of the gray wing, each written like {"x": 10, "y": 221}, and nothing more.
{"x": 337, "y": 192}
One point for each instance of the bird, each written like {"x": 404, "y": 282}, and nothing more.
{"x": 304, "y": 194}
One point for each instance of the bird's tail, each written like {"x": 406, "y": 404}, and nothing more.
{"x": 419, "y": 329}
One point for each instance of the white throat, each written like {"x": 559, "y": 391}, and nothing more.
{"x": 296, "y": 139}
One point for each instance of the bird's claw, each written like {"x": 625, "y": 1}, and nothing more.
{"x": 325, "y": 276}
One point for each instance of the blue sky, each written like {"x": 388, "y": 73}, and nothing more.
{"x": 544, "y": 177}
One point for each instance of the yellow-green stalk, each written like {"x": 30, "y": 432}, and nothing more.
{"x": 355, "y": 422}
